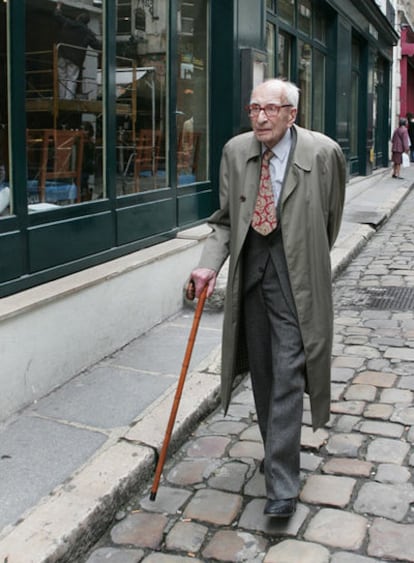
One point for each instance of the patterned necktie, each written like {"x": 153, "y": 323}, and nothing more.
{"x": 264, "y": 215}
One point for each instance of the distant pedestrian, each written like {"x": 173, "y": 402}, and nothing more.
{"x": 400, "y": 143}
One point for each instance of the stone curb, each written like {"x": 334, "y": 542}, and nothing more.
{"x": 68, "y": 521}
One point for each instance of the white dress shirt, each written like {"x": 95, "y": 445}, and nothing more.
{"x": 278, "y": 163}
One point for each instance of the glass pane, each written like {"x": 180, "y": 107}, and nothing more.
{"x": 124, "y": 14}
{"x": 4, "y": 149}
{"x": 141, "y": 96}
{"x": 355, "y": 54}
{"x": 354, "y": 114}
{"x": 319, "y": 91}
{"x": 320, "y": 27}
{"x": 354, "y": 98}
{"x": 63, "y": 103}
{"x": 286, "y": 10}
{"x": 270, "y": 47}
{"x": 270, "y": 5}
{"x": 192, "y": 93}
{"x": 284, "y": 56}
{"x": 305, "y": 84}
{"x": 305, "y": 16}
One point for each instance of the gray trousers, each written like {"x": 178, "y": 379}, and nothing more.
{"x": 276, "y": 359}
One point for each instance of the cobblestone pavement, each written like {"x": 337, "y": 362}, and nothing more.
{"x": 357, "y": 497}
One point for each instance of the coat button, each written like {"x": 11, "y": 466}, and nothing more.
{"x": 242, "y": 198}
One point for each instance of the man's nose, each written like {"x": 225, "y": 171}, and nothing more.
{"x": 262, "y": 115}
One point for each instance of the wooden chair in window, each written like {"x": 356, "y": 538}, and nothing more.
{"x": 147, "y": 154}
{"x": 61, "y": 159}
{"x": 188, "y": 153}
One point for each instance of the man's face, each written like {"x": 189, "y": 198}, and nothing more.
{"x": 270, "y": 129}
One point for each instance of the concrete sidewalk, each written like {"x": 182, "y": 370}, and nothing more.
{"x": 70, "y": 460}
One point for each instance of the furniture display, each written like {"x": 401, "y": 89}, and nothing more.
{"x": 59, "y": 157}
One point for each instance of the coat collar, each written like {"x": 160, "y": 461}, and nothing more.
{"x": 301, "y": 155}
{"x": 302, "y": 145}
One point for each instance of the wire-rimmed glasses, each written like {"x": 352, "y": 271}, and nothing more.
{"x": 271, "y": 110}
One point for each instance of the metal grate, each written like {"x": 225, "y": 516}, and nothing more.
{"x": 383, "y": 298}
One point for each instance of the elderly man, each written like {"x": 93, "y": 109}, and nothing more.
{"x": 281, "y": 200}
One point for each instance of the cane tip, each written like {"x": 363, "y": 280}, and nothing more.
{"x": 153, "y": 495}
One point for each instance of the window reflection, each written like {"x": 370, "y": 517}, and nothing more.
{"x": 305, "y": 84}
{"x": 356, "y": 61}
{"x": 284, "y": 58}
{"x": 192, "y": 97}
{"x": 319, "y": 81}
{"x": 305, "y": 16}
{"x": 270, "y": 47}
{"x": 63, "y": 103}
{"x": 141, "y": 138}
{"x": 320, "y": 27}
{"x": 4, "y": 152}
{"x": 286, "y": 10}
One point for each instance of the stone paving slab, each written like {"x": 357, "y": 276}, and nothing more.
{"x": 293, "y": 550}
{"x": 389, "y": 540}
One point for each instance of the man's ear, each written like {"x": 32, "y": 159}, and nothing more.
{"x": 292, "y": 116}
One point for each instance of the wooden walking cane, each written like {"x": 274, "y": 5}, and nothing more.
{"x": 178, "y": 393}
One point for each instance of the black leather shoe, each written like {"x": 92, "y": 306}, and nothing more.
{"x": 280, "y": 508}
{"x": 261, "y": 467}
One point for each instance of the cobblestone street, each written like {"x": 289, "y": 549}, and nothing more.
{"x": 357, "y": 497}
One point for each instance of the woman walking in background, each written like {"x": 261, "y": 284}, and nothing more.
{"x": 400, "y": 143}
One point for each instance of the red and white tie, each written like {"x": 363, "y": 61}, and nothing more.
{"x": 264, "y": 216}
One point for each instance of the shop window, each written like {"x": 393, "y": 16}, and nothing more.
{"x": 320, "y": 26}
{"x": 270, "y": 48}
{"x": 378, "y": 113}
{"x": 63, "y": 103}
{"x": 284, "y": 55}
{"x": 141, "y": 90}
{"x": 305, "y": 17}
{"x": 305, "y": 84}
{"x": 319, "y": 80}
{"x": 5, "y": 190}
{"x": 192, "y": 92}
{"x": 356, "y": 63}
{"x": 286, "y": 10}
{"x": 124, "y": 17}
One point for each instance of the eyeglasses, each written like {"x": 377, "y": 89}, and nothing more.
{"x": 271, "y": 110}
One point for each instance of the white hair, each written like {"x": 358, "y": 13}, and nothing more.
{"x": 289, "y": 90}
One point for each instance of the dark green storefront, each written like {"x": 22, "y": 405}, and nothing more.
{"x": 179, "y": 74}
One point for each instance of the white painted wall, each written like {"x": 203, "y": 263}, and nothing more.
{"x": 50, "y": 333}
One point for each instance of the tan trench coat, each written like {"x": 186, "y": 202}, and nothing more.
{"x": 311, "y": 209}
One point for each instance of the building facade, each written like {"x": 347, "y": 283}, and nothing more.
{"x": 405, "y": 60}
{"x": 124, "y": 153}
{"x": 112, "y": 119}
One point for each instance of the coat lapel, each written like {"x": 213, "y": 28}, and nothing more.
{"x": 248, "y": 194}
{"x": 299, "y": 158}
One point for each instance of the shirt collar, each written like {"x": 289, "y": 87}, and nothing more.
{"x": 282, "y": 148}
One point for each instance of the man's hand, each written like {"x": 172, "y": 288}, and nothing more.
{"x": 202, "y": 277}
